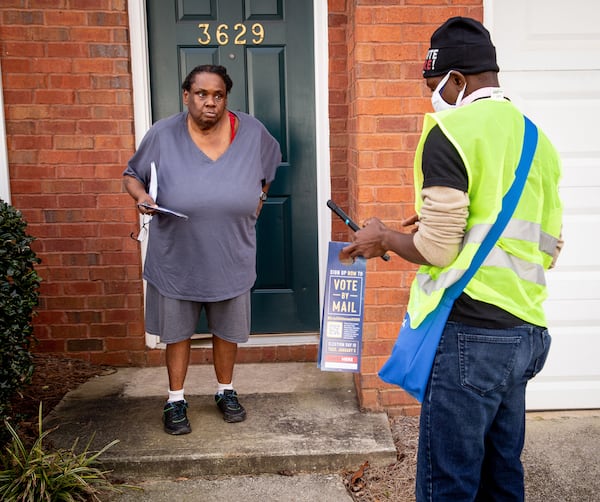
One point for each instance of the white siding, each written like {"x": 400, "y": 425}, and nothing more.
{"x": 549, "y": 57}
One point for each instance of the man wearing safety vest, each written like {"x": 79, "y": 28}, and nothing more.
{"x": 473, "y": 415}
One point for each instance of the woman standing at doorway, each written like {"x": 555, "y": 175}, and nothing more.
{"x": 216, "y": 167}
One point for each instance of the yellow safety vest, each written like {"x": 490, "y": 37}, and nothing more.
{"x": 488, "y": 135}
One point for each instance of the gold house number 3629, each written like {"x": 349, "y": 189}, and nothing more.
{"x": 223, "y": 34}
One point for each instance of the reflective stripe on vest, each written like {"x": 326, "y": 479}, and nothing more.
{"x": 516, "y": 229}
{"x": 512, "y": 276}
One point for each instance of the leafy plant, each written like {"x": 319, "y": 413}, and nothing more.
{"x": 36, "y": 475}
{"x": 19, "y": 283}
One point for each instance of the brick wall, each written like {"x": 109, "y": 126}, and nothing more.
{"x": 338, "y": 110}
{"x": 69, "y": 120}
{"x": 386, "y": 42}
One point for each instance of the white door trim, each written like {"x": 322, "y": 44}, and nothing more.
{"x": 143, "y": 116}
{"x": 4, "y": 172}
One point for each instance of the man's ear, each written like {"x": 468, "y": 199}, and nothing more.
{"x": 458, "y": 79}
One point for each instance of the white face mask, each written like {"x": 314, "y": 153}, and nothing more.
{"x": 439, "y": 104}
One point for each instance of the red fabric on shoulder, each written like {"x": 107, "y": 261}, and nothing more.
{"x": 232, "y": 122}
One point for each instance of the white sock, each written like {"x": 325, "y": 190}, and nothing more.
{"x": 175, "y": 395}
{"x": 222, "y": 387}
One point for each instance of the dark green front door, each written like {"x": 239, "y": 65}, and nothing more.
{"x": 267, "y": 48}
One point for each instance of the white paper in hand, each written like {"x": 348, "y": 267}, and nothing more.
{"x": 164, "y": 210}
{"x": 153, "y": 191}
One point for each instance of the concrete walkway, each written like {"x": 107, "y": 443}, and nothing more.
{"x": 562, "y": 456}
{"x": 301, "y": 422}
{"x": 303, "y": 429}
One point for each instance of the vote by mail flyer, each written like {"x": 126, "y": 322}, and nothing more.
{"x": 341, "y": 328}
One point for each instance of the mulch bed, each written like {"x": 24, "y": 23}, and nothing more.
{"x": 52, "y": 378}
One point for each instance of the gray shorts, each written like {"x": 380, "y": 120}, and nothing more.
{"x": 176, "y": 320}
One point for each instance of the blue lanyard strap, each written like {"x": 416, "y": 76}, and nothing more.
{"x": 509, "y": 203}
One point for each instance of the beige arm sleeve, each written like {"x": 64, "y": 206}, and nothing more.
{"x": 559, "y": 246}
{"x": 441, "y": 224}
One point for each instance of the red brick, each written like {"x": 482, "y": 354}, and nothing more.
{"x": 24, "y": 112}
{"x": 101, "y": 186}
{"x": 67, "y": 274}
{"x": 201, "y": 356}
{"x": 35, "y": 200}
{"x": 73, "y": 142}
{"x": 85, "y": 345}
{"x": 105, "y": 301}
{"x": 91, "y": 34}
{"x": 61, "y": 186}
{"x": 49, "y": 346}
{"x": 47, "y": 4}
{"x": 108, "y": 330}
{"x": 156, "y": 357}
{"x": 61, "y": 245}
{"x": 51, "y": 65}
{"x": 103, "y": 142}
{"x": 66, "y": 50}
{"x": 85, "y": 65}
{"x": 121, "y": 358}
{"x": 101, "y": 157}
{"x": 124, "y": 344}
{"x": 22, "y": 48}
{"x": 122, "y": 315}
{"x": 70, "y": 81}
{"x": 64, "y": 17}
{"x": 76, "y": 201}
{"x": 393, "y": 396}
{"x": 49, "y": 34}
{"x": 55, "y": 127}
{"x": 398, "y": 14}
{"x": 84, "y": 317}
{"x": 80, "y": 259}
{"x": 65, "y": 331}
{"x": 15, "y": 65}
{"x": 368, "y": 399}
{"x": 17, "y": 142}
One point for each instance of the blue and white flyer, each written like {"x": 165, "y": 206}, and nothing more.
{"x": 341, "y": 329}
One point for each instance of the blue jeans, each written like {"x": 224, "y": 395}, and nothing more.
{"x": 472, "y": 426}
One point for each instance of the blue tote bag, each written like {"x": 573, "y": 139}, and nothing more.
{"x": 410, "y": 363}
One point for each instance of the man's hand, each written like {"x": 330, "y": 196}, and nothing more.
{"x": 368, "y": 241}
{"x": 375, "y": 238}
{"x": 412, "y": 220}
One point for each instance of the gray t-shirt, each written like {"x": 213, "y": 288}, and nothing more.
{"x": 212, "y": 255}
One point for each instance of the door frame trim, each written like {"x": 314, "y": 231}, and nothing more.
{"x": 142, "y": 113}
{"x": 4, "y": 170}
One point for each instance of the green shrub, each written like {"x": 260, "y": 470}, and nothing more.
{"x": 36, "y": 475}
{"x": 19, "y": 283}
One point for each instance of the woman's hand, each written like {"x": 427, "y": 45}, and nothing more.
{"x": 138, "y": 192}
{"x": 144, "y": 201}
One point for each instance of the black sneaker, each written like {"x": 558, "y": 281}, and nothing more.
{"x": 228, "y": 403}
{"x": 175, "y": 418}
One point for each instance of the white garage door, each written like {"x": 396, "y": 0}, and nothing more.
{"x": 549, "y": 57}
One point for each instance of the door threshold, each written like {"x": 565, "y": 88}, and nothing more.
{"x": 263, "y": 340}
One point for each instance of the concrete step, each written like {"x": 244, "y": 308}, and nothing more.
{"x": 300, "y": 419}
